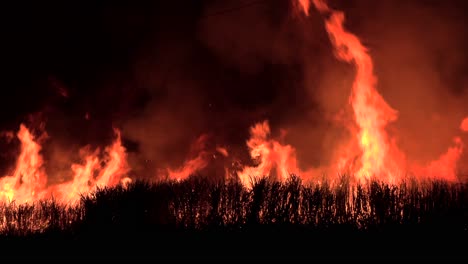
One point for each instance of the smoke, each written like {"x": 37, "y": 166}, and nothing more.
{"x": 420, "y": 60}
{"x": 216, "y": 78}
{"x": 169, "y": 73}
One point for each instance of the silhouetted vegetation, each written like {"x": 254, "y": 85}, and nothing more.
{"x": 198, "y": 204}
{"x": 200, "y": 218}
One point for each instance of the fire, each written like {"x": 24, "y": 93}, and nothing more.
{"x": 95, "y": 171}
{"x": 82, "y": 176}
{"x": 444, "y": 167}
{"x": 378, "y": 154}
{"x": 28, "y": 181}
{"x": 371, "y": 112}
{"x": 464, "y": 125}
{"x": 223, "y": 151}
{"x": 191, "y": 165}
{"x": 305, "y": 4}
{"x": 273, "y": 158}
{"x": 372, "y": 152}
{"x": 116, "y": 164}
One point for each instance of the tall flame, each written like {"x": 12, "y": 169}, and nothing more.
{"x": 28, "y": 180}
{"x": 371, "y": 112}
{"x": 379, "y": 156}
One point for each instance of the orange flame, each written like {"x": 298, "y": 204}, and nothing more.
{"x": 223, "y": 151}
{"x": 29, "y": 179}
{"x": 378, "y": 155}
{"x": 192, "y": 165}
{"x": 274, "y": 159}
{"x": 372, "y": 153}
{"x": 371, "y": 112}
{"x": 95, "y": 172}
{"x": 464, "y": 125}
{"x": 444, "y": 167}
{"x": 305, "y": 4}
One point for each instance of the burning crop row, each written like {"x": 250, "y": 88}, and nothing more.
{"x": 370, "y": 153}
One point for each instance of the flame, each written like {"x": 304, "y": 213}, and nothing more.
{"x": 273, "y": 158}
{"x": 371, "y": 112}
{"x": 378, "y": 154}
{"x": 370, "y": 153}
{"x": 192, "y": 165}
{"x": 28, "y": 180}
{"x": 445, "y": 167}
{"x": 223, "y": 151}
{"x": 305, "y": 5}
{"x": 28, "y": 183}
{"x": 116, "y": 164}
{"x": 82, "y": 179}
{"x": 464, "y": 125}
{"x": 92, "y": 173}
{"x": 189, "y": 168}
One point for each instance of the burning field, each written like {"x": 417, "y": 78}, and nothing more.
{"x": 290, "y": 116}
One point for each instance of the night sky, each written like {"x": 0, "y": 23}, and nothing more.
{"x": 165, "y": 72}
